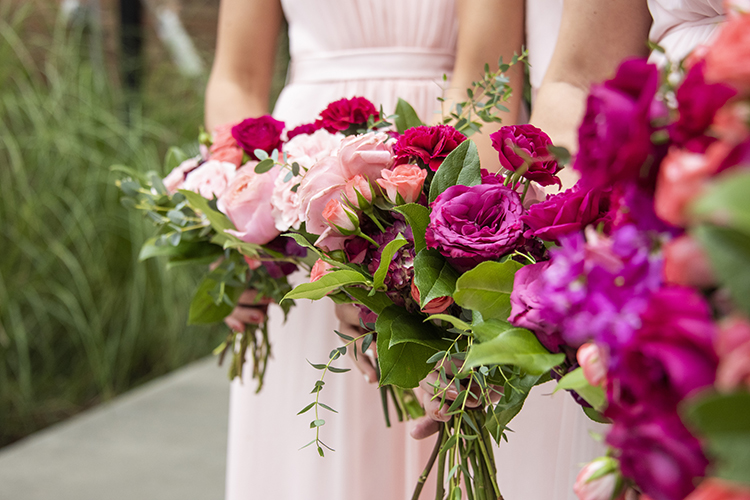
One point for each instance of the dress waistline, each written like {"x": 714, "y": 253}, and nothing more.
{"x": 371, "y": 64}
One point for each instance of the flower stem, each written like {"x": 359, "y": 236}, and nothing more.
{"x": 440, "y": 488}
{"x": 430, "y": 463}
{"x": 525, "y": 190}
{"x": 364, "y": 236}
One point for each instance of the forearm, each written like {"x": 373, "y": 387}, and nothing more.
{"x": 228, "y": 101}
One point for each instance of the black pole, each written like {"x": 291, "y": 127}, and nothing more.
{"x": 131, "y": 44}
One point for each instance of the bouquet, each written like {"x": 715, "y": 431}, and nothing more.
{"x": 653, "y": 298}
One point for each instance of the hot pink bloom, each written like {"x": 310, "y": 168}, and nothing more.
{"x": 366, "y": 154}
{"x": 358, "y": 185}
{"x": 210, "y": 179}
{"x": 728, "y": 58}
{"x": 339, "y": 217}
{"x": 685, "y": 263}
{"x": 404, "y": 180}
{"x": 174, "y": 180}
{"x": 589, "y": 356}
{"x": 605, "y": 487}
{"x": 224, "y": 147}
{"x": 247, "y": 203}
{"x": 319, "y": 269}
{"x": 435, "y": 306}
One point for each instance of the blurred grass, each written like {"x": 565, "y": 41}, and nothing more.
{"x": 80, "y": 319}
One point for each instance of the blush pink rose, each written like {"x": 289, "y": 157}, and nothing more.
{"x": 589, "y": 356}
{"x": 718, "y": 489}
{"x": 210, "y": 179}
{"x": 682, "y": 178}
{"x": 247, "y": 203}
{"x": 286, "y": 202}
{"x": 319, "y": 269}
{"x": 306, "y": 150}
{"x": 685, "y": 263}
{"x": 358, "y": 187}
{"x": 224, "y": 147}
{"x": 367, "y": 154}
{"x": 731, "y": 122}
{"x": 322, "y": 183}
{"x": 174, "y": 180}
{"x": 435, "y": 306}
{"x": 605, "y": 487}
{"x": 339, "y": 217}
{"x": 404, "y": 180}
{"x": 728, "y": 57}
{"x": 733, "y": 346}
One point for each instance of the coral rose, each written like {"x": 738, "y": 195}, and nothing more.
{"x": 340, "y": 218}
{"x": 224, "y": 147}
{"x": 435, "y": 306}
{"x": 717, "y": 489}
{"x": 404, "y": 182}
{"x": 682, "y": 177}
{"x": 728, "y": 57}
{"x": 358, "y": 193}
{"x": 589, "y": 356}
{"x": 319, "y": 269}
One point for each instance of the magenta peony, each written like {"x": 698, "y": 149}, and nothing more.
{"x": 258, "y": 133}
{"x": 526, "y": 146}
{"x": 428, "y": 145}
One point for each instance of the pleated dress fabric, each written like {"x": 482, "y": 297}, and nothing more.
{"x": 681, "y": 25}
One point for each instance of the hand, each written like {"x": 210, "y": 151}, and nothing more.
{"x": 349, "y": 324}
{"x": 249, "y": 310}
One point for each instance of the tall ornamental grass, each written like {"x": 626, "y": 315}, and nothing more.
{"x": 80, "y": 319}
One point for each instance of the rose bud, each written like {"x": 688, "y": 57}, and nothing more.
{"x": 403, "y": 184}
{"x": 435, "y": 306}
{"x": 599, "y": 480}
{"x": 590, "y": 358}
{"x": 358, "y": 193}
{"x": 319, "y": 269}
{"x": 342, "y": 219}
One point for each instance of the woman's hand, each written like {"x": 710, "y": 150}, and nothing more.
{"x": 349, "y": 324}
{"x": 249, "y": 310}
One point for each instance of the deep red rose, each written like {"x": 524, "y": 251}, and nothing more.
{"x": 304, "y": 129}
{"x": 258, "y": 133}
{"x": 567, "y": 212}
{"x": 429, "y": 145}
{"x": 342, "y": 114}
{"x": 517, "y": 144}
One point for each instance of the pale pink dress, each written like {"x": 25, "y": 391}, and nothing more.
{"x": 681, "y": 25}
{"x": 381, "y": 50}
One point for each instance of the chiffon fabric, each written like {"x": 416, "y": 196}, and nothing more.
{"x": 681, "y": 25}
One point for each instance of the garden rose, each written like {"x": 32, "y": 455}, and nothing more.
{"x": 517, "y": 145}
{"x": 728, "y": 57}
{"x": 686, "y": 263}
{"x": 319, "y": 269}
{"x": 405, "y": 181}
{"x": 258, "y": 133}
{"x": 366, "y": 154}
{"x": 342, "y": 114}
{"x": 323, "y": 182}
{"x": 469, "y": 225}
{"x": 733, "y": 346}
{"x": 436, "y": 305}
{"x": 308, "y": 149}
{"x": 174, "y": 180}
{"x": 732, "y": 122}
{"x": 428, "y": 145}
{"x": 589, "y": 356}
{"x": 615, "y": 135}
{"x": 567, "y": 212}
{"x": 358, "y": 187}
{"x": 340, "y": 218}
{"x": 224, "y": 147}
{"x": 210, "y": 179}
{"x": 247, "y": 203}
{"x": 682, "y": 178}
{"x": 604, "y": 487}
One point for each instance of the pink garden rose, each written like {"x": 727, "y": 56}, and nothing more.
{"x": 682, "y": 178}
{"x": 319, "y": 269}
{"x": 339, "y": 217}
{"x": 436, "y": 305}
{"x": 728, "y": 57}
{"x": 174, "y": 180}
{"x": 322, "y": 183}
{"x": 732, "y": 122}
{"x": 404, "y": 180}
{"x": 686, "y": 263}
{"x": 307, "y": 149}
{"x": 358, "y": 187}
{"x": 589, "y": 356}
{"x": 210, "y": 179}
{"x": 605, "y": 487}
{"x": 366, "y": 154}
{"x": 224, "y": 147}
{"x": 247, "y": 203}
{"x": 733, "y": 346}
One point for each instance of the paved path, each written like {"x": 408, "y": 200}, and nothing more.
{"x": 165, "y": 440}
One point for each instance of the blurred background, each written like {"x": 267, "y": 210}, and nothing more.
{"x": 84, "y": 85}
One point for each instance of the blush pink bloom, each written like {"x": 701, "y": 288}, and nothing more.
{"x": 404, "y": 180}
{"x": 606, "y": 487}
{"x": 247, "y": 203}
{"x": 309, "y": 149}
{"x": 682, "y": 178}
{"x": 728, "y": 57}
{"x": 686, "y": 263}
{"x": 174, "y": 180}
{"x": 210, "y": 179}
{"x": 435, "y": 306}
{"x": 358, "y": 185}
{"x": 339, "y": 217}
{"x": 319, "y": 269}
{"x": 224, "y": 147}
{"x": 731, "y": 122}
{"x": 589, "y": 356}
{"x": 367, "y": 154}
{"x": 322, "y": 183}
{"x": 717, "y": 489}
{"x": 733, "y": 345}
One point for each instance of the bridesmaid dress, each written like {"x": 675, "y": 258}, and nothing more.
{"x": 681, "y": 25}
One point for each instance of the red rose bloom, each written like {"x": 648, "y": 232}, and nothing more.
{"x": 429, "y": 145}
{"x": 342, "y": 114}
{"x": 258, "y": 133}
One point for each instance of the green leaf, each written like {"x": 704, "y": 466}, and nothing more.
{"x": 729, "y": 253}
{"x": 386, "y": 257}
{"x": 457, "y": 323}
{"x": 219, "y": 221}
{"x": 375, "y": 303}
{"x": 404, "y": 364}
{"x": 484, "y": 331}
{"x": 264, "y": 166}
{"x": 326, "y": 284}
{"x": 407, "y": 327}
{"x": 418, "y": 217}
{"x": 433, "y": 276}
{"x": 306, "y": 408}
{"x": 461, "y": 166}
{"x": 726, "y": 202}
{"x": 518, "y": 347}
{"x": 575, "y": 381}
{"x": 186, "y": 250}
{"x": 560, "y": 153}
{"x": 487, "y": 289}
{"x": 515, "y": 393}
{"x": 203, "y": 308}
{"x": 406, "y": 117}
{"x": 722, "y": 419}
{"x": 173, "y": 158}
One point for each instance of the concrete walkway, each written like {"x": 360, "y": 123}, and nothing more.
{"x": 165, "y": 440}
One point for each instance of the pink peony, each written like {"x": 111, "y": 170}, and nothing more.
{"x": 604, "y": 487}
{"x": 319, "y": 269}
{"x": 247, "y": 203}
{"x": 174, "y": 180}
{"x": 728, "y": 58}
{"x": 404, "y": 180}
{"x": 224, "y": 147}
{"x": 436, "y": 305}
{"x": 357, "y": 187}
{"x": 589, "y": 356}
{"x": 685, "y": 263}
{"x": 339, "y": 217}
{"x": 210, "y": 179}
{"x": 366, "y": 154}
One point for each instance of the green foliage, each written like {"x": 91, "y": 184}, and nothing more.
{"x": 326, "y": 284}
{"x": 386, "y": 257}
{"x": 418, "y": 217}
{"x": 80, "y": 318}
{"x": 726, "y": 202}
{"x": 722, "y": 419}
{"x": 406, "y": 117}
{"x": 575, "y": 381}
{"x": 486, "y": 289}
{"x": 433, "y": 276}
{"x": 461, "y": 166}
{"x": 515, "y": 392}
{"x": 518, "y": 347}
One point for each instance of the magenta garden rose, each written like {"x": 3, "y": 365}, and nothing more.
{"x": 344, "y": 113}
{"x": 470, "y": 225}
{"x": 258, "y": 133}
{"x": 519, "y": 145}
{"x": 428, "y": 145}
